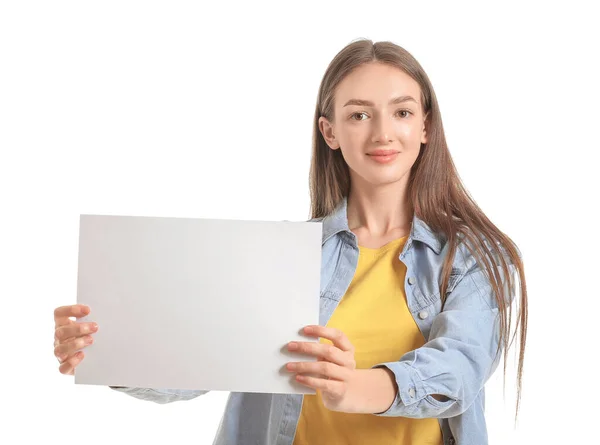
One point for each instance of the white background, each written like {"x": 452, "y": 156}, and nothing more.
{"x": 177, "y": 109}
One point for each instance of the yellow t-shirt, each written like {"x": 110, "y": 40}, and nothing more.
{"x": 374, "y": 316}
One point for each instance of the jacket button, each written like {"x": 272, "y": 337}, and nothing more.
{"x": 411, "y": 280}
{"x": 423, "y": 315}
{"x": 411, "y": 392}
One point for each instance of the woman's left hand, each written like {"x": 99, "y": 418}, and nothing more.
{"x": 335, "y": 368}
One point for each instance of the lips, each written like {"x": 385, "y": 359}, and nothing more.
{"x": 390, "y": 157}
{"x": 382, "y": 153}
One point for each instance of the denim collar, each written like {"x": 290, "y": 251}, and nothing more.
{"x": 337, "y": 222}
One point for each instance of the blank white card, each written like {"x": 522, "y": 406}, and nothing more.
{"x": 187, "y": 303}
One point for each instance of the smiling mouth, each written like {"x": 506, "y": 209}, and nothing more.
{"x": 384, "y": 158}
{"x": 383, "y": 153}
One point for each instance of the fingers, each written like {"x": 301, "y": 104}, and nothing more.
{"x": 324, "y": 369}
{"x": 335, "y": 388}
{"x": 70, "y": 338}
{"x": 62, "y": 313}
{"x": 66, "y": 332}
{"x": 337, "y": 337}
{"x": 67, "y": 349}
{"x": 325, "y": 351}
{"x": 68, "y": 367}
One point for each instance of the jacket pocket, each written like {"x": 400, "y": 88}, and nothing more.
{"x": 455, "y": 276}
{"x": 424, "y": 300}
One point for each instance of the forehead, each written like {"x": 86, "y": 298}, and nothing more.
{"x": 376, "y": 82}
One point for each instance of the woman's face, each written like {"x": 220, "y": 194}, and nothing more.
{"x": 377, "y": 108}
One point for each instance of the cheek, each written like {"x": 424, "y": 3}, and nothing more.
{"x": 353, "y": 139}
{"x": 351, "y": 132}
{"x": 407, "y": 131}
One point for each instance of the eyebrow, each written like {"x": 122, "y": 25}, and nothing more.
{"x": 367, "y": 103}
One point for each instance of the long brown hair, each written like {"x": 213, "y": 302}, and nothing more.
{"x": 437, "y": 194}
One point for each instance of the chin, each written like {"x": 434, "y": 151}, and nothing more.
{"x": 382, "y": 180}
{"x": 378, "y": 176}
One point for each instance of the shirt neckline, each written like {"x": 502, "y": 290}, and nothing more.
{"x": 385, "y": 247}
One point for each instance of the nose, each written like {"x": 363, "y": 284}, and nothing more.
{"x": 383, "y": 131}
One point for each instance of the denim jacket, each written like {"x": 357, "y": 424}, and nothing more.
{"x": 456, "y": 360}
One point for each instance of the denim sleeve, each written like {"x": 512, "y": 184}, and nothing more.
{"x": 161, "y": 396}
{"x": 458, "y": 357}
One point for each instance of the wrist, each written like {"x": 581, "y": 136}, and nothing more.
{"x": 374, "y": 390}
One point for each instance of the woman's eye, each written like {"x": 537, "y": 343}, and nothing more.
{"x": 357, "y": 114}
{"x": 404, "y": 111}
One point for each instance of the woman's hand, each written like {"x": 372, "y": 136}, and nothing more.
{"x": 70, "y": 337}
{"x": 335, "y": 368}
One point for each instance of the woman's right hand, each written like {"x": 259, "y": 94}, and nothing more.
{"x": 70, "y": 337}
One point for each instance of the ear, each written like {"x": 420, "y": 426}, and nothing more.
{"x": 326, "y": 129}
{"x": 424, "y": 133}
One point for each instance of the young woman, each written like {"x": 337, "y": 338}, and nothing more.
{"x": 417, "y": 284}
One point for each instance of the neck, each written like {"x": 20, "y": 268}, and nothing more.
{"x": 379, "y": 211}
